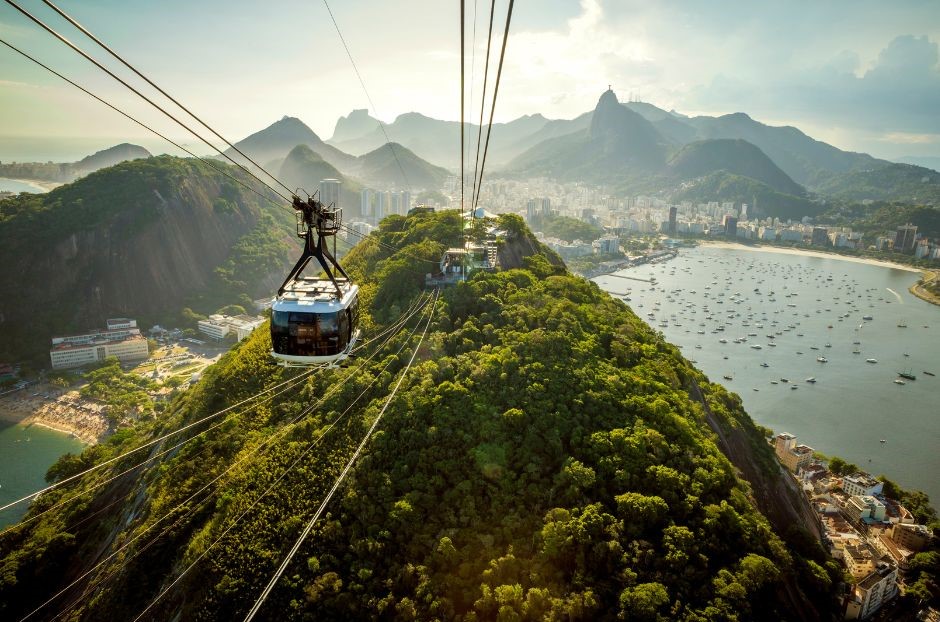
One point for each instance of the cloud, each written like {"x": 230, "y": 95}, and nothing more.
{"x": 899, "y": 93}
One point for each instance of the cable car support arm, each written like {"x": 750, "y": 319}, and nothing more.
{"x": 314, "y": 224}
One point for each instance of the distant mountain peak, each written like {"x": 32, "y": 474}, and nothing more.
{"x": 612, "y": 121}
{"x": 607, "y": 98}
{"x": 111, "y": 156}
{"x": 736, "y": 116}
{"x": 357, "y": 123}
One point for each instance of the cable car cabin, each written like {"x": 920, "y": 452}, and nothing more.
{"x": 311, "y": 326}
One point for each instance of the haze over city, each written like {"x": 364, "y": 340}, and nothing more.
{"x": 835, "y": 70}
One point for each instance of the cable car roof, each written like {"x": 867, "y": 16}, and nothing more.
{"x": 315, "y": 295}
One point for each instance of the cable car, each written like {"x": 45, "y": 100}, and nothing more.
{"x": 315, "y": 321}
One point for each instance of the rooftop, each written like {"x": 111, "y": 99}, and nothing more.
{"x": 61, "y": 347}
{"x": 862, "y": 479}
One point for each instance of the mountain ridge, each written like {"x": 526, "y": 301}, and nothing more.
{"x": 70, "y": 171}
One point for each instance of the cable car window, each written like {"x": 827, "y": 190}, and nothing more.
{"x": 279, "y": 319}
{"x": 328, "y": 325}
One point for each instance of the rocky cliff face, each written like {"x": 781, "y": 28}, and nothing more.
{"x": 89, "y": 251}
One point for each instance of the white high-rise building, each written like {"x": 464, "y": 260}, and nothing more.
{"x": 365, "y": 204}
{"x": 329, "y": 192}
{"x": 405, "y": 201}
{"x": 381, "y": 205}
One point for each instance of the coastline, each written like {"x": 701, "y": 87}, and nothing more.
{"x": 66, "y": 413}
{"x": 808, "y": 253}
{"x": 45, "y": 186}
{"x": 918, "y": 289}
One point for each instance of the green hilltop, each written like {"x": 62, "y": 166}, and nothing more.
{"x": 145, "y": 239}
{"x": 549, "y": 456}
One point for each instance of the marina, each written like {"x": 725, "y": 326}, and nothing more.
{"x": 721, "y": 302}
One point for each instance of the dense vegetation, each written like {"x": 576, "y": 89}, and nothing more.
{"x": 893, "y": 182}
{"x": 724, "y": 186}
{"x": 547, "y": 457}
{"x": 395, "y": 166}
{"x": 566, "y": 228}
{"x": 883, "y": 218}
{"x": 124, "y": 393}
{"x": 736, "y": 156}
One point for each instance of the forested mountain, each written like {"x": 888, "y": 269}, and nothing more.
{"x": 303, "y": 170}
{"x": 618, "y": 142}
{"x": 761, "y": 198}
{"x": 140, "y": 239}
{"x": 625, "y": 149}
{"x": 894, "y": 182}
{"x": 549, "y": 456}
{"x": 70, "y": 171}
{"x": 279, "y": 138}
{"x": 394, "y": 166}
{"x": 737, "y": 157}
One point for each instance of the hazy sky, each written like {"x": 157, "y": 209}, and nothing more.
{"x": 861, "y": 74}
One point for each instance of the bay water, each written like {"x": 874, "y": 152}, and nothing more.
{"x": 15, "y": 185}
{"x": 810, "y": 317}
{"x": 26, "y": 453}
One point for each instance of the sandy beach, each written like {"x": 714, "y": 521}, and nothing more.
{"x": 65, "y": 412}
{"x": 45, "y": 185}
{"x": 809, "y": 253}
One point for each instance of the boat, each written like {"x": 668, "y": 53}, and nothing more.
{"x": 871, "y": 360}
{"x": 883, "y": 441}
{"x": 773, "y": 382}
{"x": 784, "y": 380}
{"x": 811, "y": 380}
{"x": 728, "y": 377}
{"x": 794, "y": 387}
{"x": 899, "y": 381}
{"x": 756, "y": 347}
{"x": 867, "y": 317}
{"x": 930, "y": 373}
{"x": 822, "y": 359}
{"x": 766, "y": 365}
{"x": 907, "y": 374}
{"x": 755, "y": 389}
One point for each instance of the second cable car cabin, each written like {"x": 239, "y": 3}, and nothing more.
{"x": 314, "y": 321}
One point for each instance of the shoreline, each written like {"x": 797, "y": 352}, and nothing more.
{"x": 918, "y": 289}
{"x": 45, "y": 186}
{"x": 83, "y": 436}
{"x": 64, "y": 412}
{"x": 810, "y": 253}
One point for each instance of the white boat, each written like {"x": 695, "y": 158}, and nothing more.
{"x": 871, "y": 360}
{"x": 822, "y": 359}
{"x": 899, "y": 381}
{"x": 811, "y": 380}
